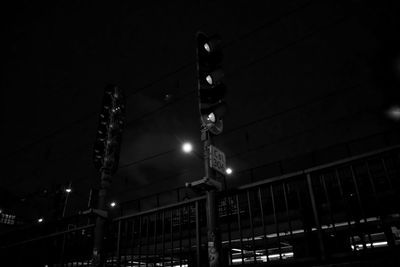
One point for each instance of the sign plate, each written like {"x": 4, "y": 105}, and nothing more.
{"x": 217, "y": 160}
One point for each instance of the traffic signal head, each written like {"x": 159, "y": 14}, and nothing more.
{"x": 108, "y": 137}
{"x": 211, "y": 90}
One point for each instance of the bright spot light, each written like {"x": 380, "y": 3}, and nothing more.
{"x": 207, "y": 48}
{"x": 228, "y": 171}
{"x": 113, "y": 204}
{"x": 187, "y": 147}
{"x": 394, "y": 113}
{"x": 68, "y": 190}
{"x": 209, "y": 79}
{"x": 211, "y": 117}
{"x": 40, "y": 220}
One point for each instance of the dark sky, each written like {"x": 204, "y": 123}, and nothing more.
{"x": 304, "y": 78}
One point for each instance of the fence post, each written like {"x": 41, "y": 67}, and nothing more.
{"x": 198, "y": 235}
{"x": 118, "y": 253}
{"x": 212, "y": 230}
{"x": 316, "y": 218}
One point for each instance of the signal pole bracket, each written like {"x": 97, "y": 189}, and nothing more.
{"x": 205, "y": 184}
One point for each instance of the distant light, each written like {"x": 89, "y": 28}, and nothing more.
{"x": 207, "y": 47}
{"x": 40, "y": 220}
{"x": 228, "y": 171}
{"x": 68, "y": 190}
{"x": 187, "y": 147}
{"x": 168, "y": 97}
{"x": 113, "y": 204}
{"x": 394, "y": 113}
{"x": 1, "y": 211}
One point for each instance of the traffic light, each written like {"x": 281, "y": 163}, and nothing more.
{"x": 108, "y": 137}
{"x": 211, "y": 89}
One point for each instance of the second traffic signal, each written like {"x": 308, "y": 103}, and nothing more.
{"x": 109, "y": 131}
{"x": 211, "y": 89}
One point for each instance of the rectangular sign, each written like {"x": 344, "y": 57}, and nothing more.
{"x": 217, "y": 159}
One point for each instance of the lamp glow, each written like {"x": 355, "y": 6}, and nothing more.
{"x": 68, "y": 190}
{"x": 40, "y": 220}
{"x": 228, "y": 171}
{"x": 113, "y": 204}
{"x": 187, "y": 147}
{"x": 394, "y": 113}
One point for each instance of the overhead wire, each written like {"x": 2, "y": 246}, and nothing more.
{"x": 193, "y": 91}
{"x": 239, "y": 68}
{"x": 152, "y": 83}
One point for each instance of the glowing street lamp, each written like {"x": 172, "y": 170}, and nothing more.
{"x": 394, "y": 113}
{"x": 68, "y": 190}
{"x": 113, "y": 204}
{"x": 228, "y": 171}
{"x": 187, "y": 147}
{"x": 40, "y": 220}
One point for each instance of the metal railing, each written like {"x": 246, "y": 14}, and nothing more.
{"x": 343, "y": 209}
{"x": 168, "y": 236}
{"x": 335, "y": 210}
{"x": 71, "y": 247}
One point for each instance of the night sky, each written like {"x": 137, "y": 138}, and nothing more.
{"x": 307, "y": 83}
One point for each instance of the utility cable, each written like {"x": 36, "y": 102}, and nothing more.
{"x": 149, "y": 85}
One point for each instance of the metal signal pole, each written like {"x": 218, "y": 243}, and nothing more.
{"x": 211, "y": 91}
{"x": 98, "y": 257}
{"x": 213, "y": 237}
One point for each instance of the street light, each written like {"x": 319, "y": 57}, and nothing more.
{"x": 187, "y": 147}
{"x": 113, "y": 204}
{"x": 40, "y": 220}
{"x": 394, "y": 112}
{"x": 228, "y": 171}
{"x": 67, "y": 190}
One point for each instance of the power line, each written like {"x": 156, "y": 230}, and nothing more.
{"x": 148, "y": 158}
{"x": 307, "y": 103}
{"x": 92, "y": 114}
{"x": 265, "y": 118}
{"x": 246, "y": 124}
{"x": 191, "y": 92}
{"x": 338, "y": 144}
{"x": 148, "y": 85}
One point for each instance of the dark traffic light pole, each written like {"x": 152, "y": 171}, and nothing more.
{"x": 98, "y": 257}
{"x": 213, "y": 237}
{"x": 211, "y": 92}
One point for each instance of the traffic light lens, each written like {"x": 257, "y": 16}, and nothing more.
{"x": 207, "y": 47}
{"x": 211, "y": 117}
{"x": 215, "y": 77}
{"x": 209, "y": 79}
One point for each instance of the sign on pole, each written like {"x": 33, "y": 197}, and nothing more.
{"x": 217, "y": 159}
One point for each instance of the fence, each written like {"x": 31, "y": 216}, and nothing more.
{"x": 335, "y": 211}
{"x": 321, "y": 213}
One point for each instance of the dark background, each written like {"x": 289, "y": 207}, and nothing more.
{"x": 308, "y": 83}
